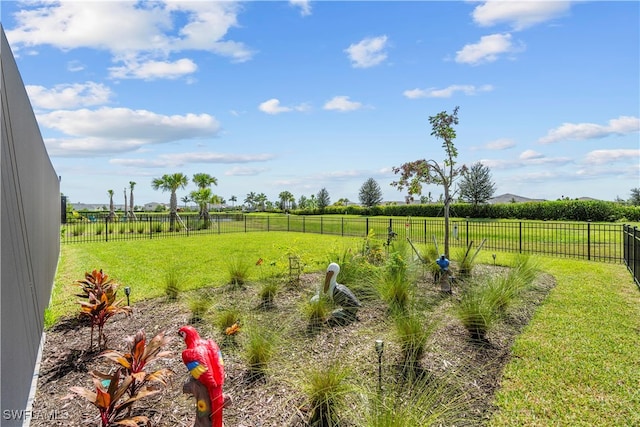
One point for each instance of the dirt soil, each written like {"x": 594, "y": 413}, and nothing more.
{"x": 276, "y": 400}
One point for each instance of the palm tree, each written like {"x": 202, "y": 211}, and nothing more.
{"x": 112, "y": 211}
{"x": 202, "y": 197}
{"x": 185, "y": 200}
{"x": 233, "y": 199}
{"x": 131, "y": 185}
{"x": 251, "y": 200}
{"x": 285, "y": 200}
{"x": 171, "y": 183}
{"x": 261, "y": 200}
{"x": 203, "y": 181}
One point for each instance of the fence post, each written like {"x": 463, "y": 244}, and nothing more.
{"x": 342, "y": 226}
{"x": 288, "y": 219}
{"x": 424, "y": 234}
{"x": 150, "y": 227}
{"x": 520, "y": 237}
{"x": 106, "y": 229}
{"x": 467, "y": 231}
{"x": 321, "y": 225}
{"x": 589, "y": 240}
{"x": 245, "y": 223}
{"x": 268, "y": 224}
{"x": 303, "y": 223}
{"x": 366, "y": 231}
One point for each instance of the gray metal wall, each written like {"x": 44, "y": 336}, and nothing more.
{"x": 30, "y": 235}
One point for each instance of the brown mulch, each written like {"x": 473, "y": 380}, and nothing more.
{"x": 277, "y": 398}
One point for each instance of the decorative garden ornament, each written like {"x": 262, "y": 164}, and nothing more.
{"x": 340, "y": 295}
{"x": 204, "y": 361}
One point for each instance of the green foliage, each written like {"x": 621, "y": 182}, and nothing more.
{"x": 323, "y": 199}
{"x": 478, "y": 311}
{"x": 140, "y": 228}
{"x": 370, "y": 193}
{"x": 316, "y": 311}
{"x": 476, "y": 186}
{"x": 412, "y": 335}
{"x": 259, "y": 349}
{"x": 199, "y": 304}
{"x": 357, "y": 273}
{"x": 77, "y": 229}
{"x": 172, "y": 284}
{"x": 238, "y": 271}
{"x": 267, "y": 293}
{"x": 396, "y": 287}
{"x": 226, "y": 319}
{"x": 325, "y": 388}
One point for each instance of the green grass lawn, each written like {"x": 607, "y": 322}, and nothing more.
{"x": 199, "y": 261}
{"x": 576, "y": 363}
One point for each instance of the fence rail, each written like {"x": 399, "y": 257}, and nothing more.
{"x": 583, "y": 240}
{"x": 631, "y": 236}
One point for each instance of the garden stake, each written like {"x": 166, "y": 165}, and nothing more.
{"x": 379, "y": 350}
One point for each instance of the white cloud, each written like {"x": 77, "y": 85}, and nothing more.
{"x": 367, "y": 52}
{"x": 181, "y": 159}
{"x": 342, "y": 103}
{"x": 110, "y": 130}
{"x": 530, "y": 154}
{"x": 488, "y": 49}
{"x": 151, "y": 70}
{"x": 446, "y": 92}
{"x": 272, "y": 106}
{"x": 69, "y": 95}
{"x": 598, "y": 157}
{"x": 519, "y": 14}
{"x": 131, "y": 31}
{"x": 244, "y": 171}
{"x": 500, "y": 144}
{"x": 304, "y": 5}
{"x": 623, "y": 125}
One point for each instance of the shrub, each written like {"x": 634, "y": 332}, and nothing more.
{"x": 316, "y": 312}
{"x": 199, "y": 305}
{"x": 77, "y": 229}
{"x": 226, "y": 319}
{"x": 140, "y": 228}
{"x": 138, "y": 357}
{"x": 478, "y": 310}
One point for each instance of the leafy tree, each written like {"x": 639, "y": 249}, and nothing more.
{"x": 342, "y": 202}
{"x": 185, "y": 200}
{"x": 312, "y": 203}
{"x": 414, "y": 174}
{"x": 370, "y": 193}
{"x": 302, "y": 202}
{"x": 171, "y": 183}
{"x": 635, "y": 197}
{"x": 233, "y": 199}
{"x": 323, "y": 199}
{"x": 476, "y": 185}
{"x": 112, "y": 211}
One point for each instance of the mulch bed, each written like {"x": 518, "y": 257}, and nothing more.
{"x": 275, "y": 400}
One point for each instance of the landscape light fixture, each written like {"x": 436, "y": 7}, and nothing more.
{"x": 494, "y": 259}
{"x": 127, "y": 292}
{"x": 379, "y": 350}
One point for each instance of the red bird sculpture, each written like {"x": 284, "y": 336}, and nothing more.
{"x": 204, "y": 362}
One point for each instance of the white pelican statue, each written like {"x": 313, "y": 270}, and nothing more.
{"x": 339, "y": 294}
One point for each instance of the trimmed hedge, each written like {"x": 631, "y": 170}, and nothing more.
{"x": 560, "y": 210}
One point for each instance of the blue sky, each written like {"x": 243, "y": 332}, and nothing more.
{"x": 272, "y": 96}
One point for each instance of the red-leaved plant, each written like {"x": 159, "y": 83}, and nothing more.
{"x": 137, "y": 358}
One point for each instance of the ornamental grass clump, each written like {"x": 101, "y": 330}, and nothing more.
{"x": 395, "y": 287}
{"x": 172, "y": 284}
{"x": 267, "y": 293}
{"x": 478, "y": 309}
{"x": 325, "y": 388}
{"x": 357, "y": 273}
{"x": 412, "y": 333}
{"x": 316, "y": 311}
{"x": 238, "y": 271}
{"x": 258, "y": 351}
{"x": 199, "y": 305}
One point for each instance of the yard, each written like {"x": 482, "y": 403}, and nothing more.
{"x": 572, "y": 333}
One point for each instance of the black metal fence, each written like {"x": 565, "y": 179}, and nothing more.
{"x": 632, "y": 251}
{"x": 583, "y": 240}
